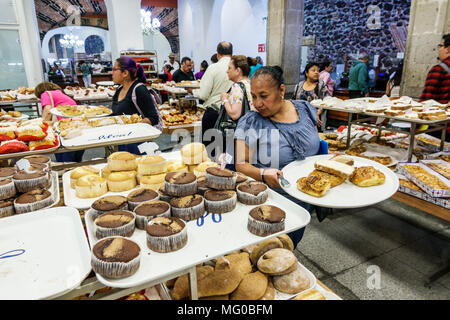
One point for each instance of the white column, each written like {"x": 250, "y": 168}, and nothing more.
{"x": 124, "y": 23}
{"x": 30, "y": 41}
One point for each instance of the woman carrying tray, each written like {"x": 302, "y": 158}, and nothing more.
{"x": 132, "y": 97}
{"x": 51, "y": 96}
{"x": 279, "y": 132}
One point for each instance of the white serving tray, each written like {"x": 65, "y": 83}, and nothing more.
{"x": 205, "y": 241}
{"x": 116, "y": 133}
{"x": 312, "y": 284}
{"x": 56, "y": 258}
{"x": 54, "y": 189}
{"x": 347, "y": 195}
{"x": 57, "y": 113}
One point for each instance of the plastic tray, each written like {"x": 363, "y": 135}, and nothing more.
{"x": 56, "y": 257}
{"x": 442, "y": 202}
{"x": 347, "y": 195}
{"x": 435, "y": 193}
{"x": 209, "y": 237}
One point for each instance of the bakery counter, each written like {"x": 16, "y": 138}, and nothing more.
{"x": 96, "y": 77}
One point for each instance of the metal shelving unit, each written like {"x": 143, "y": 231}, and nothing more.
{"x": 146, "y": 54}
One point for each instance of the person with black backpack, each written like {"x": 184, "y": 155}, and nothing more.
{"x": 311, "y": 89}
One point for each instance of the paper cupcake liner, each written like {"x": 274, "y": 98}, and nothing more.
{"x": 96, "y": 213}
{"x": 250, "y": 199}
{"x": 27, "y": 185}
{"x": 7, "y": 191}
{"x": 220, "y": 183}
{"x": 191, "y": 213}
{"x": 30, "y": 207}
{"x": 133, "y": 205}
{"x": 121, "y": 186}
{"x": 167, "y": 244}
{"x": 142, "y": 221}
{"x": 201, "y": 191}
{"x": 7, "y": 211}
{"x": 180, "y": 190}
{"x": 263, "y": 229}
{"x": 164, "y": 197}
{"x": 222, "y": 206}
{"x": 123, "y": 231}
{"x": 115, "y": 270}
{"x": 91, "y": 191}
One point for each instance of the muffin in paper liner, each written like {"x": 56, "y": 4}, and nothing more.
{"x": 167, "y": 244}
{"x": 27, "y": 185}
{"x": 222, "y": 206}
{"x": 126, "y": 230}
{"x": 30, "y": 207}
{"x": 189, "y": 213}
{"x": 7, "y": 211}
{"x": 142, "y": 221}
{"x": 220, "y": 183}
{"x": 133, "y": 204}
{"x": 96, "y": 213}
{"x": 250, "y": 199}
{"x": 163, "y": 196}
{"x": 264, "y": 229}
{"x": 7, "y": 190}
{"x": 180, "y": 190}
{"x": 115, "y": 270}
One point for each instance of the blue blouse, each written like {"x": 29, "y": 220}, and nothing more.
{"x": 270, "y": 147}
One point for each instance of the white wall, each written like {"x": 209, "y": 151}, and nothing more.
{"x": 159, "y": 43}
{"x": 204, "y": 23}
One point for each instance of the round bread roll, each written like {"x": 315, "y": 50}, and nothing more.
{"x": 270, "y": 292}
{"x": 121, "y": 181}
{"x": 252, "y": 287}
{"x": 263, "y": 247}
{"x": 90, "y": 186}
{"x": 293, "y": 282}
{"x": 287, "y": 242}
{"x": 150, "y": 165}
{"x": 277, "y": 262}
{"x": 194, "y": 153}
{"x": 122, "y": 161}
{"x": 79, "y": 172}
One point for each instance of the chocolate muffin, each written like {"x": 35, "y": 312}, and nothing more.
{"x": 116, "y": 257}
{"x": 33, "y": 200}
{"x": 40, "y": 160}
{"x": 148, "y": 210}
{"x": 139, "y": 196}
{"x": 252, "y": 192}
{"x": 188, "y": 208}
{"x": 241, "y": 178}
{"x": 163, "y": 196}
{"x": 180, "y": 184}
{"x": 7, "y": 189}
{"x": 107, "y": 204}
{"x": 6, "y": 208}
{"x": 266, "y": 220}
{"x": 166, "y": 234}
{"x": 7, "y": 172}
{"x": 220, "y": 201}
{"x": 26, "y": 182}
{"x": 219, "y": 179}
{"x": 202, "y": 186}
{"x": 115, "y": 223}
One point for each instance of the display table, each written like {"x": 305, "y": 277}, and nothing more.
{"x": 423, "y": 205}
{"x": 24, "y": 106}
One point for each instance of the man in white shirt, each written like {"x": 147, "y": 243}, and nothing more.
{"x": 96, "y": 67}
{"x": 214, "y": 82}
{"x": 175, "y": 65}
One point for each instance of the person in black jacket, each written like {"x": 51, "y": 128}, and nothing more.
{"x": 131, "y": 78}
{"x": 185, "y": 72}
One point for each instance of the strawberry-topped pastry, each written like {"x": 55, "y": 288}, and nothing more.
{"x": 13, "y": 146}
{"x": 50, "y": 141}
{"x": 30, "y": 133}
{"x": 8, "y": 133}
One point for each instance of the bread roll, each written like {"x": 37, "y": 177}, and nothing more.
{"x": 121, "y": 181}
{"x": 263, "y": 247}
{"x": 194, "y": 153}
{"x": 181, "y": 288}
{"x": 90, "y": 186}
{"x": 252, "y": 287}
{"x": 220, "y": 282}
{"x": 293, "y": 282}
{"x": 277, "y": 262}
{"x": 151, "y": 165}
{"x": 79, "y": 172}
{"x": 122, "y": 161}
{"x": 287, "y": 242}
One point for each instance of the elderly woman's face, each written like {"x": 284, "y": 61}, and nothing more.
{"x": 266, "y": 95}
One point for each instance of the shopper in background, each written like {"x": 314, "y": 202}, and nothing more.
{"x": 254, "y": 65}
{"x": 55, "y": 70}
{"x": 311, "y": 89}
{"x": 132, "y": 96}
{"x": 96, "y": 67}
{"x": 214, "y": 58}
{"x": 166, "y": 76}
{"x": 214, "y": 82}
{"x": 51, "y": 96}
{"x": 203, "y": 67}
{"x": 292, "y": 121}
{"x": 359, "y": 77}
{"x": 86, "y": 72}
{"x": 437, "y": 84}
{"x": 393, "y": 85}
{"x": 259, "y": 60}
{"x": 325, "y": 75}
{"x": 185, "y": 72}
{"x": 175, "y": 65}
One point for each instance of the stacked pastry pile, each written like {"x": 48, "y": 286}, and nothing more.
{"x": 333, "y": 143}
{"x": 359, "y": 152}
{"x": 6, "y": 116}
{"x": 83, "y": 110}
{"x": 20, "y": 94}
{"x": 334, "y": 172}
{"x": 260, "y": 272}
{"x": 91, "y": 93}
{"x": 23, "y": 191}
{"x": 29, "y": 135}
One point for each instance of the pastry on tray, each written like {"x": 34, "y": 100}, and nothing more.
{"x": 334, "y": 167}
{"x": 367, "y": 177}
{"x": 335, "y": 180}
{"x": 343, "y": 159}
{"x": 440, "y": 168}
{"x": 315, "y": 185}
{"x": 426, "y": 177}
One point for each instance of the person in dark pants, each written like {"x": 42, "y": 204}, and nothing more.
{"x": 131, "y": 78}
